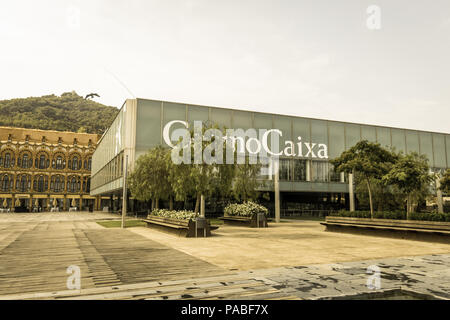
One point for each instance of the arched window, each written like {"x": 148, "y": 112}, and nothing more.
{"x": 25, "y": 161}
{"x": 23, "y": 183}
{"x": 42, "y": 162}
{"x": 7, "y": 160}
{"x": 59, "y": 163}
{"x": 57, "y": 183}
{"x": 41, "y": 184}
{"x": 75, "y": 163}
{"x": 73, "y": 185}
{"x": 5, "y": 183}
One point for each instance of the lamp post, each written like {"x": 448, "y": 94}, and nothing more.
{"x": 124, "y": 197}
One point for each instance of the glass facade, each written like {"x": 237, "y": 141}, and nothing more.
{"x": 297, "y": 172}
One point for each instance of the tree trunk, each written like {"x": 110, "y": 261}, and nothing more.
{"x": 197, "y": 204}
{"x": 408, "y": 206}
{"x": 157, "y": 203}
{"x": 170, "y": 203}
{"x": 153, "y": 204}
{"x": 370, "y": 199}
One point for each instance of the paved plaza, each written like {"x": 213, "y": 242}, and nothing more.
{"x": 290, "y": 260}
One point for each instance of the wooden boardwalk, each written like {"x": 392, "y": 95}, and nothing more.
{"x": 35, "y": 255}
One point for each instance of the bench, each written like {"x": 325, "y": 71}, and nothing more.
{"x": 183, "y": 228}
{"x": 255, "y": 221}
{"x": 419, "y": 230}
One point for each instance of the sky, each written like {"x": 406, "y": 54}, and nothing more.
{"x": 337, "y": 60}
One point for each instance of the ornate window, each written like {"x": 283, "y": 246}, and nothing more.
{"x": 7, "y": 160}
{"x": 24, "y": 160}
{"x": 73, "y": 184}
{"x": 40, "y": 183}
{"x": 7, "y": 183}
{"x": 59, "y": 162}
{"x": 23, "y": 183}
{"x": 57, "y": 183}
{"x": 42, "y": 161}
{"x": 75, "y": 163}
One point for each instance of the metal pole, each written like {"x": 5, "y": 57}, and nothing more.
{"x": 124, "y": 200}
{"x": 277, "y": 190}
{"x": 202, "y": 206}
{"x": 440, "y": 202}
{"x": 351, "y": 192}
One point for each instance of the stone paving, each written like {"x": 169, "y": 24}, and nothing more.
{"x": 35, "y": 255}
{"x": 36, "y": 249}
{"x": 428, "y": 275}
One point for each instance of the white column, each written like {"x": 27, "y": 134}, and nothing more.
{"x": 351, "y": 193}
{"x": 277, "y": 190}
{"x": 202, "y": 206}
{"x": 308, "y": 170}
{"x": 440, "y": 202}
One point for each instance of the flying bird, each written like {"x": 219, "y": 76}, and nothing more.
{"x": 91, "y": 95}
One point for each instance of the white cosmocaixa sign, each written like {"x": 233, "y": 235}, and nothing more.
{"x": 256, "y": 143}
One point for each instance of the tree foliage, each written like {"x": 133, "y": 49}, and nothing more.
{"x": 445, "y": 182}
{"x": 69, "y": 112}
{"x": 149, "y": 179}
{"x": 369, "y": 159}
{"x": 410, "y": 173}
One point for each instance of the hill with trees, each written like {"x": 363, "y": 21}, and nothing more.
{"x": 68, "y": 112}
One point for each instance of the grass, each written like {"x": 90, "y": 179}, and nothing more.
{"x": 306, "y": 218}
{"x": 118, "y": 223}
{"x": 215, "y": 221}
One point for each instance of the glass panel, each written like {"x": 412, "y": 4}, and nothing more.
{"x": 368, "y": 133}
{"x": 352, "y": 135}
{"x": 285, "y": 169}
{"x": 439, "y": 151}
{"x": 299, "y": 169}
{"x": 197, "y": 113}
{"x": 334, "y": 176}
{"x": 242, "y": 120}
{"x": 412, "y": 141}
{"x": 221, "y": 117}
{"x": 426, "y": 146}
{"x": 320, "y": 171}
{"x": 384, "y": 137}
{"x": 173, "y": 111}
{"x": 337, "y": 139}
{"x": 398, "y": 140}
{"x": 319, "y": 131}
{"x": 283, "y": 124}
{"x": 302, "y": 129}
{"x": 148, "y": 125}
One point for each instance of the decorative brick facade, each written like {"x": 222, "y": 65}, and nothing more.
{"x": 43, "y": 169}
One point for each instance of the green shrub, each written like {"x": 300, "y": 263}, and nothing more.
{"x": 246, "y": 209}
{"x": 174, "y": 214}
{"x": 394, "y": 215}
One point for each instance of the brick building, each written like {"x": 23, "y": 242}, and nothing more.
{"x": 44, "y": 169}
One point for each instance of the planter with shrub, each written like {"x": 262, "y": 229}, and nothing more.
{"x": 183, "y": 223}
{"x": 248, "y": 214}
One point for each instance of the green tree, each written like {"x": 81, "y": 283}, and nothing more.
{"x": 149, "y": 179}
{"x": 69, "y": 112}
{"x": 246, "y": 183}
{"x": 369, "y": 159}
{"x": 197, "y": 179}
{"x": 445, "y": 182}
{"x": 410, "y": 173}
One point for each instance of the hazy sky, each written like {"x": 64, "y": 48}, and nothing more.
{"x": 308, "y": 58}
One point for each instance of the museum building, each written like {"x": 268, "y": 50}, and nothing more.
{"x": 307, "y": 181}
{"x": 44, "y": 170}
